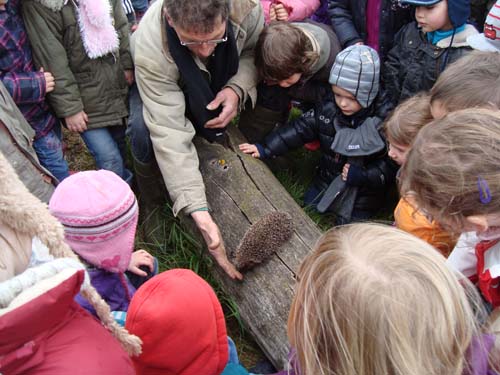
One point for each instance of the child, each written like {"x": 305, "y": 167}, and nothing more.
{"x": 44, "y": 331}
{"x": 28, "y": 88}
{"x": 422, "y": 49}
{"x": 490, "y": 39}
{"x": 375, "y": 300}
{"x": 293, "y": 61}
{"x": 401, "y": 128}
{"x": 472, "y": 81}
{"x": 288, "y": 10}
{"x": 461, "y": 190}
{"x": 353, "y": 151}
{"x": 85, "y": 45}
{"x": 99, "y": 213}
{"x": 181, "y": 323}
{"x": 369, "y": 22}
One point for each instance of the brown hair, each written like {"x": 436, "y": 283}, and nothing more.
{"x": 198, "y": 16}
{"x": 404, "y": 123}
{"x": 283, "y": 50}
{"x": 373, "y": 299}
{"x": 471, "y": 81}
{"x": 453, "y": 166}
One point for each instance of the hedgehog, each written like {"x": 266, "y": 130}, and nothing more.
{"x": 262, "y": 239}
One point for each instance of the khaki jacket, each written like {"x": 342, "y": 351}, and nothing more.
{"x": 160, "y": 87}
{"x": 16, "y": 143}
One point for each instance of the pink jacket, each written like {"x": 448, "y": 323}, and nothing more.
{"x": 298, "y": 10}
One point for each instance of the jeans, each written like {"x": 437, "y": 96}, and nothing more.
{"x": 137, "y": 132}
{"x": 49, "y": 151}
{"x": 107, "y": 146}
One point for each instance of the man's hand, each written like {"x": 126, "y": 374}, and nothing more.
{"x": 215, "y": 244}
{"x": 129, "y": 76}
{"x": 229, "y": 101}
{"x": 140, "y": 258}
{"x": 77, "y": 122}
{"x": 50, "y": 82}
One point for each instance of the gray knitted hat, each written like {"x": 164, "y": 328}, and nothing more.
{"x": 357, "y": 70}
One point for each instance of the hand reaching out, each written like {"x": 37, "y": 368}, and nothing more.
{"x": 250, "y": 149}
{"x": 140, "y": 258}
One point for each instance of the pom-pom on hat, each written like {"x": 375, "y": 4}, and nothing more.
{"x": 99, "y": 213}
{"x": 357, "y": 70}
{"x": 488, "y": 41}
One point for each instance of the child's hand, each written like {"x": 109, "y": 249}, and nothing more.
{"x": 77, "y": 122}
{"x": 345, "y": 171}
{"x": 129, "y": 76}
{"x": 50, "y": 82}
{"x": 247, "y": 148}
{"x": 141, "y": 258}
{"x": 272, "y": 12}
{"x": 281, "y": 12}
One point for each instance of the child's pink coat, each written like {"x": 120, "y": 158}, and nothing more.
{"x": 298, "y": 10}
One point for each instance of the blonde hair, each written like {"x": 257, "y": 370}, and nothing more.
{"x": 454, "y": 166}
{"x": 404, "y": 123}
{"x": 373, "y": 299}
{"x": 471, "y": 81}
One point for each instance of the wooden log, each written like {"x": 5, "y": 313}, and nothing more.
{"x": 240, "y": 190}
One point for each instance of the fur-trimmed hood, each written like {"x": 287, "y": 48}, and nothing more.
{"x": 96, "y": 24}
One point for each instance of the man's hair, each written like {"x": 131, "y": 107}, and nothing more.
{"x": 453, "y": 167}
{"x": 471, "y": 81}
{"x": 404, "y": 123}
{"x": 373, "y": 299}
{"x": 283, "y": 50}
{"x": 198, "y": 16}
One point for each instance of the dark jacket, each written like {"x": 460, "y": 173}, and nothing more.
{"x": 349, "y": 21}
{"x": 375, "y": 175}
{"x": 96, "y": 86}
{"x": 414, "y": 64}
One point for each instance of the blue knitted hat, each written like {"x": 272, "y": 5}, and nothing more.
{"x": 458, "y": 10}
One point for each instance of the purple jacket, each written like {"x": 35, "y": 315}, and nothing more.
{"x": 114, "y": 288}
{"x": 477, "y": 358}
{"x": 18, "y": 74}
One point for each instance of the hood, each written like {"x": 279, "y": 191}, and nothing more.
{"x": 181, "y": 323}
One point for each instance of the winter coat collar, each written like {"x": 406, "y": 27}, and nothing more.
{"x": 460, "y": 39}
{"x": 95, "y": 20}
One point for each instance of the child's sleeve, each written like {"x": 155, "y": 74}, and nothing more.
{"x": 290, "y": 136}
{"x": 299, "y": 10}
{"x": 44, "y": 28}
{"x": 266, "y": 6}
{"x": 25, "y": 87}
{"x": 377, "y": 174}
{"x": 340, "y": 14}
{"x": 122, "y": 27}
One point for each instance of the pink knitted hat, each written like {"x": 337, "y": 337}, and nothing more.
{"x": 99, "y": 213}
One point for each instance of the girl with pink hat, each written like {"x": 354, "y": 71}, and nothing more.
{"x": 99, "y": 213}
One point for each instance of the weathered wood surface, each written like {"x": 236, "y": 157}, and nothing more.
{"x": 240, "y": 190}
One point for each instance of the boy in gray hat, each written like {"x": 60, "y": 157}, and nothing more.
{"x": 354, "y": 171}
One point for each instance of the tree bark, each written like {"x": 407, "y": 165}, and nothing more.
{"x": 240, "y": 190}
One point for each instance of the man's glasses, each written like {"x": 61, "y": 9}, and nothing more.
{"x": 212, "y": 41}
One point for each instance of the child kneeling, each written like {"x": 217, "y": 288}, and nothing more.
{"x": 354, "y": 170}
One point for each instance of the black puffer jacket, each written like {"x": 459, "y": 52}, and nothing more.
{"x": 414, "y": 64}
{"x": 349, "y": 21}
{"x": 377, "y": 173}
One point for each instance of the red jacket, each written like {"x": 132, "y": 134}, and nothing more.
{"x": 44, "y": 331}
